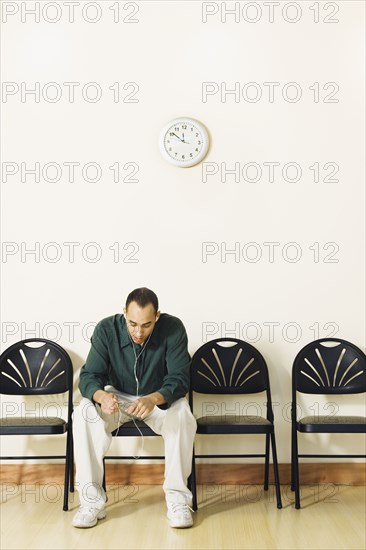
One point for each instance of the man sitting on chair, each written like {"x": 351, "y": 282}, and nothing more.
{"x": 139, "y": 358}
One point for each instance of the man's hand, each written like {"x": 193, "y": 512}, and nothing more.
{"x": 141, "y": 407}
{"x": 107, "y": 401}
{"x": 144, "y": 405}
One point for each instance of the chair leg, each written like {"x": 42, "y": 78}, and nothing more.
{"x": 67, "y": 471}
{"x": 72, "y": 477}
{"x": 295, "y": 479}
{"x": 293, "y": 454}
{"x": 193, "y": 483}
{"x": 275, "y": 471}
{"x": 103, "y": 484}
{"x": 66, "y": 489}
{"x": 266, "y": 465}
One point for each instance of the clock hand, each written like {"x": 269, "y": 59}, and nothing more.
{"x": 184, "y": 141}
{"x": 178, "y": 137}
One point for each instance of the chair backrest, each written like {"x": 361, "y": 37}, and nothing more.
{"x": 35, "y": 366}
{"x": 336, "y": 369}
{"x": 220, "y": 368}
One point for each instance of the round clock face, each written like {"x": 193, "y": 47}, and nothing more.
{"x": 184, "y": 142}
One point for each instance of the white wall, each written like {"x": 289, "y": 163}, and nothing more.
{"x": 164, "y": 53}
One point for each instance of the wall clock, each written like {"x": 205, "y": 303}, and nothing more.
{"x": 184, "y": 142}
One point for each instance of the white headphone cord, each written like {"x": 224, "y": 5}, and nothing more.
{"x": 120, "y": 413}
{"x": 137, "y": 356}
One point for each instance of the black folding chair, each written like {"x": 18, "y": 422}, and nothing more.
{"x": 39, "y": 367}
{"x": 134, "y": 428}
{"x": 228, "y": 366}
{"x": 329, "y": 366}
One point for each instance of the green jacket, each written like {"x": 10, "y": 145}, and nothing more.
{"x": 163, "y": 366}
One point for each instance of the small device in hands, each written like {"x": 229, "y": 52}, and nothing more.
{"x": 123, "y": 406}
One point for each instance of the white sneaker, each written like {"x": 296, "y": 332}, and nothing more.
{"x": 179, "y": 515}
{"x": 88, "y": 517}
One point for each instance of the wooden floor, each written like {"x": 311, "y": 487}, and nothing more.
{"x": 229, "y": 517}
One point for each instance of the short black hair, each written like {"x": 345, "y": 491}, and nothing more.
{"x": 143, "y": 297}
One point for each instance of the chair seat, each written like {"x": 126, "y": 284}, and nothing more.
{"x": 32, "y": 426}
{"x": 133, "y": 428}
{"x": 233, "y": 424}
{"x": 332, "y": 424}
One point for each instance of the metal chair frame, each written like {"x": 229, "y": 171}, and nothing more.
{"x": 322, "y": 370}
{"x": 236, "y": 370}
{"x": 46, "y": 369}
{"x": 131, "y": 429}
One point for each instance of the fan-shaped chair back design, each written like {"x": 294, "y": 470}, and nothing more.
{"x": 238, "y": 368}
{"x": 337, "y": 369}
{"x": 39, "y": 367}
{"x": 29, "y": 370}
{"x": 328, "y": 366}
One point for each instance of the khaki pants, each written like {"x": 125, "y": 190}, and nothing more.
{"x": 92, "y": 438}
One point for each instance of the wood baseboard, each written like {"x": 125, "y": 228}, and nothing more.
{"x": 225, "y": 474}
